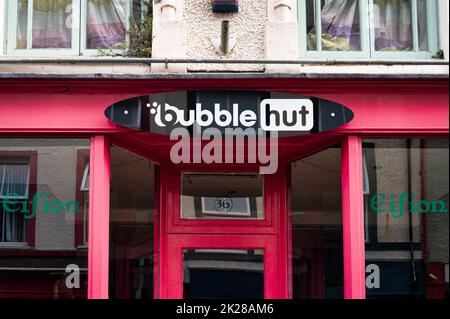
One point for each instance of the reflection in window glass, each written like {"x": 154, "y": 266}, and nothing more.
{"x": 340, "y": 24}
{"x": 106, "y": 24}
{"x": 52, "y": 24}
{"x": 41, "y": 218}
{"x": 317, "y": 251}
{"x": 311, "y": 27}
{"x": 223, "y": 274}
{"x": 422, "y": 24}
{"x": 132, "y": 212}
{"x": 83, "y": 197}
{"x": 22, "y": 24}
{"x": 406, "y": 207}
{"x": 14, "y": 188}
{"x": 222, "y": 196}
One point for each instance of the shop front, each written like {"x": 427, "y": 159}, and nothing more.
{"x": 98, "y": 201}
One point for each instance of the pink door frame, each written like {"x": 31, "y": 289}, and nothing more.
{"x": 353, "y": 218}
{"x": 383, "y": 108}
{"x": 177, "y": 233}
{"x": 98, "y": 251}
{"x": 178, "y": 242}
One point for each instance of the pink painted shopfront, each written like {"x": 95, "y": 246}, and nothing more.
{"x": 93, "y": 209}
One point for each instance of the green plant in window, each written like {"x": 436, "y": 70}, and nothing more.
{"x": 439, "y": 55}
{"x": 139, "y": 36}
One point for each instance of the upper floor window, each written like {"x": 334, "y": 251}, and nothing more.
{"x": 69, "y": 27}
{"x": 379, "y": 29}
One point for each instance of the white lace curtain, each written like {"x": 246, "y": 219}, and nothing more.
{"x": 106, "y": 25}
{"x": 13, "y": 181}
{"x": 393, "y": 25}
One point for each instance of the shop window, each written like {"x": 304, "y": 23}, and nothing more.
{"x": 14, "y": 190}
{"x": 222, "y": 196}
{"x": 132, "y": 225}
{"x": 223, "y": 274}
{"x": 316, "y": 215}
{"x": 41, "y": 216}
{"x": 368, "y": 29}
{"x": 407, "y": 248}
{"x": 71, "y": 27}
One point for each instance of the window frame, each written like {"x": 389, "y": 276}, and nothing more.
{"x": 83, "y": 51}
{"x": 216, "y": 216}
{"x": 29, "y": 51}
{"x": 432, "y": 36}
{"x": 271, "y": 192}
{"x": 303, "y": 36}
{"x": 79, "y": 33}
{"x": 367, "y": 35}
{"x": 4, "y": 161}
{"x": 172, "y": 275}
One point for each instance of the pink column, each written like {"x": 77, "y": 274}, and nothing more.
{"x": 98, "y": 218}
{"x": 353, "y": 218}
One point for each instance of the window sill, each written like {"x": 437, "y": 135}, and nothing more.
{"x": 112, "y": 59}
{"x": 137, "y": 73}
{"x": 140, "y": 68}
{"x": 23, "y": 246}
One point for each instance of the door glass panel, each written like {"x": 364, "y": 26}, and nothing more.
{"x": 317, "y": 249}
{"x": 222, "y": 196}
{"x": 223, "y": 274}
{"x": 132, "y": 225}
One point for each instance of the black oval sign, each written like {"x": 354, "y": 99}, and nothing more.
{"x": 286, "y": 113}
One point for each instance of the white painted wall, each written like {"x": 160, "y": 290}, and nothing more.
{"x": 203, "y": 28}
{"x": 282, "y": 20}
{"x": 169, "y": 34}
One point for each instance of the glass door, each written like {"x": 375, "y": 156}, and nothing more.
{"x": 316, "y": 227}
{"x": 133, "y": 219}
{"x": 221, "y": 238}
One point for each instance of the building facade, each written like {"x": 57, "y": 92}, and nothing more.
{"x": 97, "y": 201}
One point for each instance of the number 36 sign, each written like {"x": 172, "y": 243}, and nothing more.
{"x": 226, "y": 206}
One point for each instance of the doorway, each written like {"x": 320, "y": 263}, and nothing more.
{"x": 226, "y": 231}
